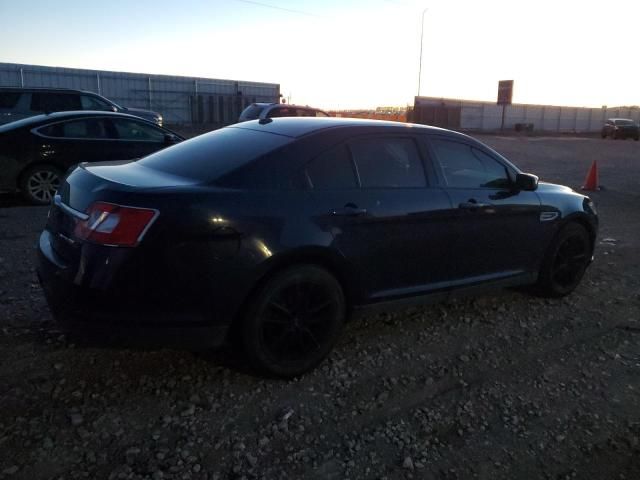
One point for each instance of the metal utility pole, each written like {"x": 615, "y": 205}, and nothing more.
{"x": 421, "y": 37}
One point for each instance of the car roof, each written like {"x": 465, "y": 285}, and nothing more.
{"x": 299, "y": 126}
{"x": 619, "y": 118}
{"x": 283, "y": 105}
{"x": 45, "y": 89}
{"x": 37, "y": 120}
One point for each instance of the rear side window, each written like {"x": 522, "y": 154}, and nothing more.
{"x": 9, "y": 99}
{"x": 54, "y": 102}
{"x": 252, "y": 112}
{"x": 332, "y": 170}
{"x": 466, "y": 167}
{"x": 92, "y": 128}
{"x": 388, "y": 162}
{"x": 209, "y": 156}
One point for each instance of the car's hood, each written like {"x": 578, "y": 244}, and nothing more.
{"x": 545, "y": 187}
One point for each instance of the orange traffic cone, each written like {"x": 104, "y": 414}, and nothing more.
{"x": 592, "y": 183}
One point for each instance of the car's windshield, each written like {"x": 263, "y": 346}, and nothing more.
{"x": 624, "y": 122}
{"x": 252, "y": 112}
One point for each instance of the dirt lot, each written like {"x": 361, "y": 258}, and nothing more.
{"x": 500, "y": 386}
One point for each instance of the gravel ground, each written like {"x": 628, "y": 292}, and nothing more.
{"x": 499, "y": 386}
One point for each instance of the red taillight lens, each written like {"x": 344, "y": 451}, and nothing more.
{"x": 110, "y": 224}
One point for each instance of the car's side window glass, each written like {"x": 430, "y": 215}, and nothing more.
{"x": 9, "y": 99}
{"x": 388, "y": 162}
{"x": 92, "y": 128}
{"x": 466, "y": 167}
{"x": 138, "y": 131}
{"x": 91, "y": 103}
{"x": 282, "y": 112}
{"x": 54, "y": 102}
{"x": 332, "y": 170}
{"x": 305, "y": 112}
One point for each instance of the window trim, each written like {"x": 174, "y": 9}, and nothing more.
{"x": 144, "y": 122}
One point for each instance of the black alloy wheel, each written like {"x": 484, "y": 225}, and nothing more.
{"x": 566, "y": 261}
{"x": 40, "y": 183}
{"x": 293, "y": 321}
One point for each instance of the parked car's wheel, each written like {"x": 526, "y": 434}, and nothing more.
{"x": 293, "y": 321}
{"x": 565, "y": 262}
{"x": 614, "y": 136}
{"x": 636, "y": 138}
{"x": 603, "y": 134}
{"x": 38, "y": 184}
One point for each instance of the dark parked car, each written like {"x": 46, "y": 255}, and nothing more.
{"x": 35, "y": 152}
{"x": 277, "y": 230}
{"x": 621, "y": 128}
{"x": 17, "y": 103}
{"x": 258, "y": 111}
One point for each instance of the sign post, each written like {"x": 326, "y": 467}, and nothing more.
{"x": 505, "y": 94}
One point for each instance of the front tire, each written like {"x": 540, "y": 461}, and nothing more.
{"x": 39, "y": 184}
{"x": 293, "y": 321}
{"x": 565, "y": 262}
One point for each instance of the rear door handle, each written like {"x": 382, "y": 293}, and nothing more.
{"x": 349, "y": 210}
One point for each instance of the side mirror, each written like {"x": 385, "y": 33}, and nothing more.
{"x": 113, "y": 109}
{"x": 526, "y": 181}
{"x": 170, "y": 139}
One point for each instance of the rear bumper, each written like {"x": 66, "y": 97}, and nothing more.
{"x": 101, "y": 314}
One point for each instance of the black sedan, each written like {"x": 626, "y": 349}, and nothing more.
{"x": 36, "y": 151}
{"x": 620, "y": 128}
{"x": 273, "y": 232}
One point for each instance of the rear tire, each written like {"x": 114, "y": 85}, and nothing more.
{"x": 39, "y": 184}
{"x": 293, "y": 321}
{"x": 565, "y": 262}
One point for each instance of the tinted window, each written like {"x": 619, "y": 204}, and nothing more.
{"x": 252, "y": 112}
{"x": 282, "y": 112}
{"x": 388, "y": 162}
{"x": 9, "y": 99}
{"x": 138, "y": 131}
{"x": 466, "y": 167}
{"x": 211, "y": 155}
{"x": 54, "y": 102}
{"x": 92, "y": 103}
{"x": 332, "y": 170}
{"x": 86, "y": 128}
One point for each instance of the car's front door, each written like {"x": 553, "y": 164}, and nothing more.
{"x": 137, "y": 138}
{"x": 389, "y": 223}
{"x": 497, "y": 227}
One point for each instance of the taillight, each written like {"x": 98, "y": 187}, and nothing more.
{"x": 116, "y": 225}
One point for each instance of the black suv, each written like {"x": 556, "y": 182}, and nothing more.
{"x": 17, "y": 103}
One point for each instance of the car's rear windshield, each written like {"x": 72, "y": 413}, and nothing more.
{"x": 624, "y": 122}
{"x": 207, "y": 157}
{"x": 252, "y": 112}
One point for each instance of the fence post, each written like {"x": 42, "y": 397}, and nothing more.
{"x": 98, "y": 82}
{"x": 149, "y": 87}
{"x": 22, "y": 78}
{"x": 542, "y": 118}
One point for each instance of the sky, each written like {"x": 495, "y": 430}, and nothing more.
{"x": 348, "y": 54}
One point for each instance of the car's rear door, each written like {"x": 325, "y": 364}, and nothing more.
{"x": 65, "y": 143}
{"x": 387, "y": 220}
{"x": 497, "y": 228}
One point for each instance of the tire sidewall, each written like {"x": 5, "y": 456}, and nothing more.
{"x": 251, "y": 322}
{"x": 546, "y": 285}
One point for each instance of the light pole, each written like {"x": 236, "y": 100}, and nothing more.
{"x": 421, "y": 37}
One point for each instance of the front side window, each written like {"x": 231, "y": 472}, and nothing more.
{"x": 92, "y": 103}
{"x": 332, "y": 170}
{"x": 90, "y": 128}
{"x": 138, "y": 131}
{"x": 388, "y": 162}
{"x": 464, "y": 166}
